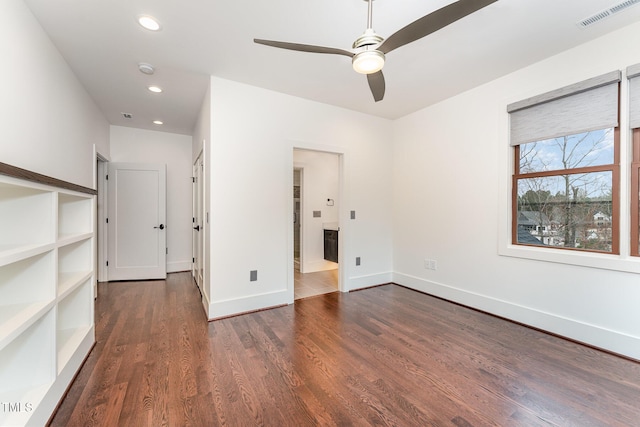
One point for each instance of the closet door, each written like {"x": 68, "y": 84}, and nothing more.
{"x": 137, "y": 221}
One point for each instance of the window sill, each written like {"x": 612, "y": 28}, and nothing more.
{"x": 602, "y": 261}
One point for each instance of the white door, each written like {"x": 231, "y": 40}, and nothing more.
{"x": 198, "y": 223}
{"x": 137, "y": 221}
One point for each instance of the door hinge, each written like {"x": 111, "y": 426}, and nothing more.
{"x": 107, "y": 263}
{"x": 106, "y": 177}
{"x": 193, "y": 179}
{"x": 193, "y": 219}
{"x": 107, "y": 220}
{"x": 166, "y": 251}
{"x": 193, "y": 260}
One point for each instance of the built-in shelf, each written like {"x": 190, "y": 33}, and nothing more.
{"x": 75, "y": 263}
{"x": 26, "y": 289}
{"x": 27, "y": 370}
{"x": 27, "y": 215}
{"x": 46, "y": 291}
{"x": 75, "y": 320}
{"x": 74, "y": 215}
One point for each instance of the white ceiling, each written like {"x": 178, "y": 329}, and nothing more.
{"x": 103, "y": 44}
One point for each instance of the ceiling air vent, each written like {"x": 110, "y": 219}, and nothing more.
{"x": 127, "y": 115}
{"x": 607, "y": 13}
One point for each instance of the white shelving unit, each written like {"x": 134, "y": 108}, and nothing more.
{"x": 46, "y": 294}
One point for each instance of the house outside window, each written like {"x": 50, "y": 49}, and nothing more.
{"x": 566, "y": 167}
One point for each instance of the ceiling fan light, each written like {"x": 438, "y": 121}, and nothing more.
{"x": 368, "y": 61}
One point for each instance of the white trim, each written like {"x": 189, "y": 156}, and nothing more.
{"x": 361, "y": 282}
{"x": 219, "y": 309}
{"x": 176, "y": 266}
{"x": 102, "y": 248}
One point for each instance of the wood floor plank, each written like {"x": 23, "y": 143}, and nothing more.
{"x": 380, "y": 356}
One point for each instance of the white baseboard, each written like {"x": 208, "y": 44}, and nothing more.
{"x": 593, "y": 335}
{"x": 206, "y": 303}
{"x": 173, "y": 267}
{"x": 219, "y": 309}
{"x": 359, "y": 282}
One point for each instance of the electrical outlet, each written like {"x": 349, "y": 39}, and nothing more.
{"x": 433, "y": 264}
{"x": 357, "y": 260}
{"x": 253, "y": 275}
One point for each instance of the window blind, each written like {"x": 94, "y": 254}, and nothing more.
{"x": 588, "y": 105}
{"x": 633, "y": 74}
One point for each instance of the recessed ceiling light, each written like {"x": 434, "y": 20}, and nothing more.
{"x": 149, "y": 23}
{"x": 158, "y": 122}
{"x": 155, "y": 89}
{"x": 146, "y": 68}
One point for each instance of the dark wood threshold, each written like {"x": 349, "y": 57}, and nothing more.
{"x": 16, "y": 172}
{"x": 591, "y": 346}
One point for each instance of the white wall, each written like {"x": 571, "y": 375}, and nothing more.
{"x": 49, "y": 124}
{"x": 320, "y": 181}
{"x": 253, "y": 133}
{"x": 452, "y": 168}
{"x": 145, "y": 146}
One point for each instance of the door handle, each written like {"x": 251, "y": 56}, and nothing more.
{"x": 197, "y": 228}
{"x": 161, "y": 227}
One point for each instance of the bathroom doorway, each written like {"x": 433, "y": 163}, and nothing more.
{"x": 316, "y": 207}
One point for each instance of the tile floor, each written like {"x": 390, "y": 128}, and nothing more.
{"x": 311, "y": 284}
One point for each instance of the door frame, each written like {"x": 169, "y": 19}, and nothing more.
{"x": 198, "y": 219}
{"x": 100, "y": 184}
{"x": 300, "y": 167}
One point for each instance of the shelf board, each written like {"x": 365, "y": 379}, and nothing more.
{"x": 67, "y": 239}
{"x": 68, "y": 342}
{"x": 16, "y": 318}
{"x": 13, "y": 253}
{"x": 67, "y": 282}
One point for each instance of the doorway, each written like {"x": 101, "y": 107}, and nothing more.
{"x": 316, "y": 207}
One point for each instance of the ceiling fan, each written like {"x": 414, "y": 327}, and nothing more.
{"x": 369, "y": 49}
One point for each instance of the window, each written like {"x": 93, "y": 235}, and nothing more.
{"x": 566, "y": 167}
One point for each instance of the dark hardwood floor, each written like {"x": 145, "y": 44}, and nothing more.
{"x": 381, "y": 356}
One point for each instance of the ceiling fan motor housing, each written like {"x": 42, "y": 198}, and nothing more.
{"x": 368, "y": 38}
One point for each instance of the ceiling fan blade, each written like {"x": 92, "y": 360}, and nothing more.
{"x": 304, "y": 47}
{"x": 377, "y": 85}
{"x": 432, "y": 22}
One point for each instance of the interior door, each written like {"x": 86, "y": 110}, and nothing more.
{"x": 198, "y": 223}
{"x": 136, "y": 221}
